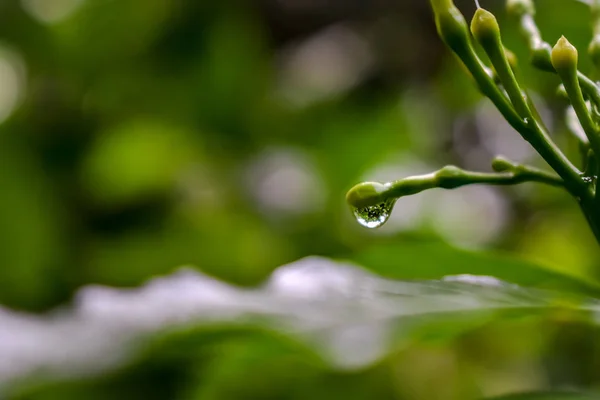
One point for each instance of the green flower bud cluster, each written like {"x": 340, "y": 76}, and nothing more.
{"x": 495, "y": 77}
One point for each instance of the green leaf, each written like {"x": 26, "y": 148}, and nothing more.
{"x": 547, "y": 396}
{"x": 434, "y": 260}
{"x": 350, "y": 317}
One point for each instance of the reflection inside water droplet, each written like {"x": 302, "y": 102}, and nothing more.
{"x": 591, "y": 180}
{"x": 374, "y": 216}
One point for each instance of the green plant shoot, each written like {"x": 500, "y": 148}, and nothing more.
{"x": 372, "y": 202}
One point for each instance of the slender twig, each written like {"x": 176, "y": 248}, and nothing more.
{"x": 449, "y": 177}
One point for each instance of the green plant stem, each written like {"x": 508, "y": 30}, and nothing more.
{"x": 589, "y": 88}
{"x": 534, "y": 111}
{"x": 485, "y": 29}
{"x": 451, "y": 177}
{"x": 489, "y": 88}
{"x": 591, "y": 165}
{"x": 541, "y": 141}
{"x": 592, "y": 215}
{"x": 368, "y": 194}
{"x": 583, "y": 114}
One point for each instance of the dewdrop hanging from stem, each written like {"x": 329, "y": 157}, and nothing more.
{"x": 372, "y": 202}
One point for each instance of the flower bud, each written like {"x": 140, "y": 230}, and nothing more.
{"x": 366, "y": 194}
{"x": 441, "y": 5}
{"x": 451, "y": 25}
{"x": 484, "y": 27}
{"x": 518, "y": 8}
{"x": 501, "y": 164}
{"x": 594, "y": 50}
{"x": 541, "y": 57}
{"x": 564, "y": 56}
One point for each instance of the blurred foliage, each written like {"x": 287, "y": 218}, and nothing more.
{"x": 137, "y": 145}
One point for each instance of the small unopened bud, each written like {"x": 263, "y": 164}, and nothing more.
{"x": 501, "y": 164}
{"x": 564, "y": 56}
{"x": 541, "y": 57}
{"x": 518, "y": 8}
{"x": 366, "y": 194}
{"x": 594, "y": 50}
{"x": 451, "y": 25}
{"x": 441, "y": 5}
{"x": 484, "y": 27}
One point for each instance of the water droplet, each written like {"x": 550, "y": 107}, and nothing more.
{"x": 376, "y": 215}
{"x": 590, "y": 179}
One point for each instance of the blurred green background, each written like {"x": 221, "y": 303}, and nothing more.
{"x": 137, "y": 136}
